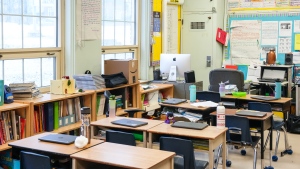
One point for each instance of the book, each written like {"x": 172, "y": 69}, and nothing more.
{"x": 25, "y": 84}
{"x": 17, "y": 120}
{"x": 14, "y": 124}
{"x": 49, "y": 116}
{"x": 56, "y": 115}
{"x": 23, "y": 125}
{"x": 101, "y": 105}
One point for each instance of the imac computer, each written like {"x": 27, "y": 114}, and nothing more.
{"x": 181, "y": 61}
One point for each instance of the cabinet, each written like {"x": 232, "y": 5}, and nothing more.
{"x": 127, "y": 93}
{"x": 14, "y": 110}
{"x": 86, "y": 98}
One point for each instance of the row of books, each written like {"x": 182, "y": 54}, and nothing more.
{"x": 12, "y": 126}
{"x": 47, "y": 116}
{"x": 24, "y": 90}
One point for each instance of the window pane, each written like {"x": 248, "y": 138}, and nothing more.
{"x": 130, "y": 34}
{"x": 129, "y": 55}
{"x": 108, "y": 8}
{"x": 32, "y": 70}
{"x": 31, "y": 7}
{"x": 32, "y": 33}
{"x": 130, "y": 10}
{"x": 13, "y": 71}
{"x": 48, "y": 7}
{"x": 48, "y": 70}
{"x": 119, "y": 10}
{"x": 1, "y": 70}
{"x": 120, "y": 56}
{"x": 1, "y": 37}
{"x": 0, "y": 6}
{"x": 12, "y": 6}
{"x": 109, "y": 33}
{"x": 119, "y": 38}
{"x": 48, "y": 29}
{"x": 12, "y": 32}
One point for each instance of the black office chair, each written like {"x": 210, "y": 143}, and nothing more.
{"x": 208, "y": 96}
{"x": 132, "y": 111}
{"x": 183, "y": 148}
{"x": 30, "y": 160}
{"x": 277, "y": 125}
{"x": 120, "y": 137}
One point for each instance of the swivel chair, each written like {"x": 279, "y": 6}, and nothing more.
{"x": 277, "y": 125}
{"x": 120, "y": 137}
{"x": 182, "y": 148}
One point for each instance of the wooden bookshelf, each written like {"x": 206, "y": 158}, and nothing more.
{"x": 24, "y": 111}
{"x": 89, "y": 100}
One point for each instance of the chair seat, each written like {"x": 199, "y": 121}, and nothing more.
{"x": 236, "y": 140}
{"x": 179, "y": 164}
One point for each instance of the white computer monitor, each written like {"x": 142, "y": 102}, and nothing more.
{"x": 181, "y": 61}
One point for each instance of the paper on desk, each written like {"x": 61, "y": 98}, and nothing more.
{"x": 205, "y": 104}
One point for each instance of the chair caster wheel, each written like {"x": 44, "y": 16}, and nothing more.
{"x": 243, "y": 152}
{"x": 289, "y": 152}
{"x": 274, "y": 158}
{"x": 228, "y": 163}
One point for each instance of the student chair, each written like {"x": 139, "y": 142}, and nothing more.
{"x": 208, "y": 96}
{"x": 277, "y": 125}
{"x": 30, "y": 160}
{"x": 185, "y": 150}
{"x": 120, "y": 137}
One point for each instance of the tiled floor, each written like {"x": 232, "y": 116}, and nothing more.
{"x": 246, "y": 162}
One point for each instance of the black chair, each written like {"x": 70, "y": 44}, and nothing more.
{"x": 120, "y": 137}
{"x": 131, "y": 112}
{"x": 184, "y": 149}
{"x": 30, "y": 160}
{"x": 208, "y": 96}
{"x": 277, "y": 125}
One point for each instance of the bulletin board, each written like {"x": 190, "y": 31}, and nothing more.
{"x": 252, "y": 36}
{"x": 243, "y": 5}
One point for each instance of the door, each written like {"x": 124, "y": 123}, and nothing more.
{"x": 197, "y": 40}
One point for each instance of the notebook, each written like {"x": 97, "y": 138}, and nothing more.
{"x": 174, "y": 101}
{"x": 190, "y": 125}
{"x": 129, "y": 122}
{"x": 266, "y": 98}
{"x": 251, "y": 113}
{"x": 58, "y": 138}
{"x": 270, "y": 75}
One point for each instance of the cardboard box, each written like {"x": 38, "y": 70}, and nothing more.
{"x": 128, "y": 67}
{"x": 62, "y": 87}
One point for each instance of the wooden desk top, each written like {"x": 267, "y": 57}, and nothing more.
{"x": 123, "y": 155}
{"x": 210, "y": 132}
{"x": 248, "y": 97}
{"x": 186, "y": 105}
{"x": 231, "y": 112}
{"x": 35, "y": 144}
{"x": 155, "y": 87}
{"x": 106, "y": 122}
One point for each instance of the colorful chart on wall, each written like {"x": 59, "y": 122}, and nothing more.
{"x": 242, "y": 5}
{"x": 252, "y": 36}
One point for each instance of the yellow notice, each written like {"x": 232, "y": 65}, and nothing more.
{"x": 297, "y": 42}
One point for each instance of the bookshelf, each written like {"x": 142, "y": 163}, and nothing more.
{"x": 19, "y": 109}
{"x": 129, "y": 99}
{"x": 88, "y": 100}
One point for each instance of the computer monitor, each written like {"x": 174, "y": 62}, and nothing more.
{"x": 181, "y": 61}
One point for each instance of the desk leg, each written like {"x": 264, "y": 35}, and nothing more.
{"x": 145, "y": 139}
{"x": 271, "y": 134}
{"x": 224, "y": 151}
{"x": 150, "y": 140}
{"x": 262, "y": 141}
{"x": 211, "y": 154}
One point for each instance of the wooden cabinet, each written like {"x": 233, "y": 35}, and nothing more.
{"x": 87, "y": 99}
{"x": 10, "y": 127}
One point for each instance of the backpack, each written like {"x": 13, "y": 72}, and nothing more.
{"x": 8, "y": 96}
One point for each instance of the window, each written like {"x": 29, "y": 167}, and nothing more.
{"x": 119, "y": 29}
{"x": 29, "y": 40}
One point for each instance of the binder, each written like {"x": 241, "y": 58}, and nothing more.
{"x": 49, "y": 116}
{"x": 56, "y": 115}
{"x": 221, "y": 36}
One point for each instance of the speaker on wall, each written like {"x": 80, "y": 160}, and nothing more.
{"x": 288, "y": 60}
{"x": 189, "y": 77}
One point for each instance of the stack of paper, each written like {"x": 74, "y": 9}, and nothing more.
{"x": 24, "y": 90}
{"x": 205, "y": 104}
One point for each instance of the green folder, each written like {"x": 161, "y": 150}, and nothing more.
{"x": 56, "y": 115}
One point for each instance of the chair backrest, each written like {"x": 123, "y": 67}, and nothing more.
{"x": 31, "y": 160}
{"x": 241, "y": 123}
{"x": 259, "y": 106}
{"x": 120, "y": 137}
{"x": 233, "y": 76}
{"x": 181, "y": 147}
{"x": 208, "y": 96}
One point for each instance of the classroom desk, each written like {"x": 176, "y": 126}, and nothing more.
{"x": 214, "y": 135}
{"x": 32, "y": 144}
{"x": 284, "y": 103}
{"x": 106, "y": 123}
{"x": 118, "y": 155}
{"x": 264, "y": 123}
